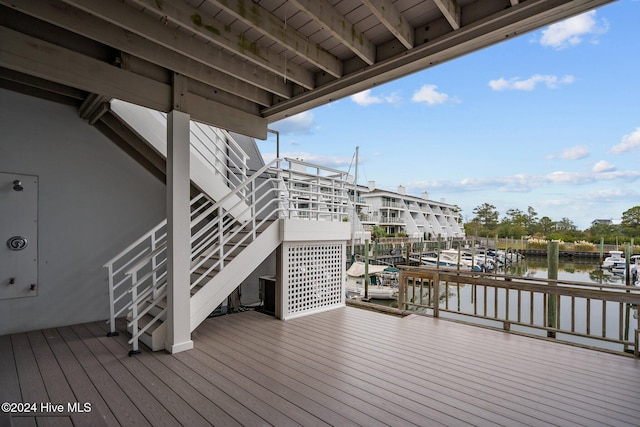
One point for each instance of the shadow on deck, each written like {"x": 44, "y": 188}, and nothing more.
{"x": 343, "y": 367}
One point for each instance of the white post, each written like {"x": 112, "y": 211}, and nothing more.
{"x": 178, "y": 234}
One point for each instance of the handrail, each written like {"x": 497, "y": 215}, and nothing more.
{"x": 523, "y": 305}
{"x": 217, "y": 227}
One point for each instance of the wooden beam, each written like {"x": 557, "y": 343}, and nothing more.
{"x": 28, "y": 55}
{"x": 393, "y": 20}
{"x": 187, "y": 16}
{"x": 225, "y": 117}
{"x": 38, "y": 58}
{"x": 270, "y": 26}
{"x": 211, "y": 68}
{"x": 451, "y": 10}
{"x": 332, "y": 21}
{"x": 484, "y": 32}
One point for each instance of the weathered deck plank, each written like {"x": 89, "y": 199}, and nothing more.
{"x": 341, "y": 367}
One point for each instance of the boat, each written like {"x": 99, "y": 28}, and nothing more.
{"x": 449, "y": 259}
{"x": 465, "y": 258}
{"x": 356, "y": 276}
{"x": 614, "y": 260}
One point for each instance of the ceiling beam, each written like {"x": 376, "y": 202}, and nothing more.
{"x": 506, "y": 23}
{"x": 335, "y": 23}
{"x": 26, "y": 54}
{"x": 393, "y": 20}
{"x": 209, "y": 70}
{"x": 187, "y": 16}
{"x": 39, "y": 84}
{"x": 270, "y": 26}
{"x": 451, "y": 10}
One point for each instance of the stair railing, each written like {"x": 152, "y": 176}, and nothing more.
{"x": 217, "y": 148}
{"x": 210, "y": 224}
{"x": 225, "y": 156}
{"x": 148, "y": 249}
{"x": 220, "y": 230}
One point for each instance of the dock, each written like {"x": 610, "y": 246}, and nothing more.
{"x": 344, "y": 367}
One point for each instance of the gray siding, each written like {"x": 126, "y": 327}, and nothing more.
{"x": 93, "y": 201}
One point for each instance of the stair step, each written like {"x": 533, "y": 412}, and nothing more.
{"x": 144, "y": 321}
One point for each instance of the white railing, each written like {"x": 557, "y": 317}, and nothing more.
{"x": 224, "y": 156}
{"x": 148, "y": 250}
{"x": 219, "y": 231}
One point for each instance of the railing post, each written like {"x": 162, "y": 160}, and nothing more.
{"x": 402, "y": 289}
{"x": 553, "y": 255}
{"x": 153, "y": 267}
{"x": 436, "y": 294}
{"x": 220, "y": 237}
{"x": 112, "y": 308}
{"x": 134, "y": 314}
{"x": 253, "y": 210}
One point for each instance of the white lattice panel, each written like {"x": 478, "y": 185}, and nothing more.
{"x": 314, "y": 277}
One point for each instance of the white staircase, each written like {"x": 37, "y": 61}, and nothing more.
{"x": 229, "y": 240}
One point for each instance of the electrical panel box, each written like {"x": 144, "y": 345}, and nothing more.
{"x": 268, "y": 294}
{"x": 18, "y": 235}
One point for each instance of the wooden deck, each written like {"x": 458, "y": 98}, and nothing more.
{"x": 343, "y": 367}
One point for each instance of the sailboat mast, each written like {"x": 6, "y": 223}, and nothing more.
{"x": 355, "y": 197}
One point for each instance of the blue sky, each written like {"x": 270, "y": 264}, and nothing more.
{"x": 550, "y": 120}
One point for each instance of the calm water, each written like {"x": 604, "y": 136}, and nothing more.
{"x": 462, "y": 299}
{"x": 586, "y": 270}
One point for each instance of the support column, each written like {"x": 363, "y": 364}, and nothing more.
{"x": 178, "y": 234}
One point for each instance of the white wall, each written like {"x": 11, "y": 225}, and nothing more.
{"x": 93, "y": 201}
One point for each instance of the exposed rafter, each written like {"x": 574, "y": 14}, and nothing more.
{"x": 277, "y": 30}
{"x": 128, "y": 18}
{"x": 389, "y": 16}
{"x": 451, "y": 11}
{"x": 246, "y": 63}
{"x": 332, "y": 21}
{"x": 38, "y": 58}
{"x": 251, "y": 86}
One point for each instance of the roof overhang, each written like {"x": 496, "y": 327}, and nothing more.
{"x": 242, "y": 64}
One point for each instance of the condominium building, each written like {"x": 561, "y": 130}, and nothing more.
{"x": 402, "y": 214}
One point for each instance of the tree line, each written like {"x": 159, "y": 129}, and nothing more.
{"x": 517, "y": 224}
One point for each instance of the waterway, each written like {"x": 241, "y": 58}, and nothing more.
{"x": 461, "y": 298}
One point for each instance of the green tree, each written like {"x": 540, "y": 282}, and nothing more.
{"x": 546, "y": 225}
{"x": 565, "y": 224}
{"x": 532, "y": 221}
{"x": 486, "y": 218}
{"x": 631, "y": 222}
{"x": 377, "y": 232}
{"x": 513, "y": 224}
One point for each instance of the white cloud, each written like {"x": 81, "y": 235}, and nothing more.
{"x": 629, "y": 142}
{"x": 430, "y": 95}
{"x": 603, "y": 166}
{"x": 318, "y": 159}
{"x": 572, "y": 153}
{"x": 300, "y": 124}
{"x": 572, "y": 31}
{"x": 365, "y": 98}
{"x": 529, "y": 84}
{"x": 393, "y": 98}
{"x": 525, "y": 183}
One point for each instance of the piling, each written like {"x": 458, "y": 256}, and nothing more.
{"x": 553, "y": 259}
{"x": 366, "y": 270}
{"x": 601, "y": 250}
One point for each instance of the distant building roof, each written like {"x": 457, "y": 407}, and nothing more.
{"x": 602, "y": 221}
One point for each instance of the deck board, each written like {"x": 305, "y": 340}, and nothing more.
{"x": 341, "y": 367}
